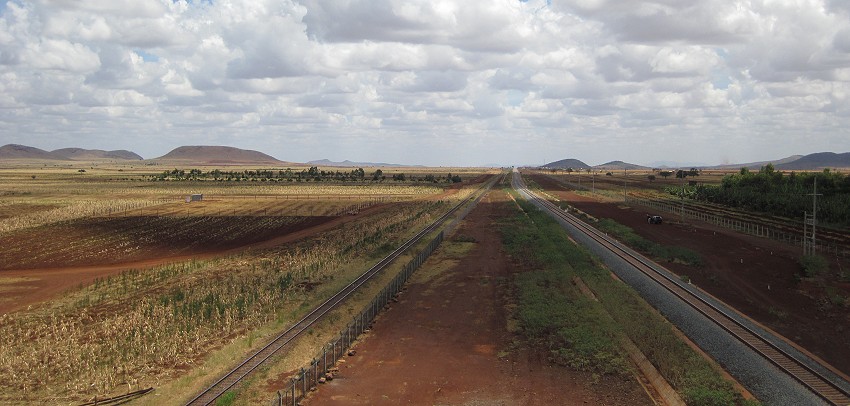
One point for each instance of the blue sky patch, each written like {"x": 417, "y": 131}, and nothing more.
{"x": 146, "y": 56}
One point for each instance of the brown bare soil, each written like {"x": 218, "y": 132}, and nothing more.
{"x": 754, "y": 275}
{"x": 127, "y": 239}
{"x": 447, "y": 342}
{"x": 20, "y": 288}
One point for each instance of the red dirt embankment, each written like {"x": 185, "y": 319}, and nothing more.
{"x": 446, "y": 340}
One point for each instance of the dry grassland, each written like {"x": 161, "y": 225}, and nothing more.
{"x": 149, "y": 327}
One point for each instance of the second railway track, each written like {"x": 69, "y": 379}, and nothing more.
{"x": 825, "y": 387}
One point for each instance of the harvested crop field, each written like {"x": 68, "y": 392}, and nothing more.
{"x": 111, "y": 240}
{"x": 31, "y": 285}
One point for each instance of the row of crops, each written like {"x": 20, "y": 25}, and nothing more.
{"x": 141, "y": 328}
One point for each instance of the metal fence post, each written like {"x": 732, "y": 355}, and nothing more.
{"x": 303, "y": 383}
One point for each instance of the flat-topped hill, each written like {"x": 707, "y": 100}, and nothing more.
{"x": 209, "y": 154}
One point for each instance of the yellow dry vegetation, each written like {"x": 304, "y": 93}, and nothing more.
{"x": 147, "y": 327}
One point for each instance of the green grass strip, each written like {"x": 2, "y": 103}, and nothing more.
{"x": 552, "y": 312}
{"x": 657, "y": 251}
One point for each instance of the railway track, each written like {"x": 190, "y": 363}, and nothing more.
{"x": 261, "y": 356}
{"x": 821, "y": 385}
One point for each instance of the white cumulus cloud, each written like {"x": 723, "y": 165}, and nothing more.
{"x": 441, "y": 82}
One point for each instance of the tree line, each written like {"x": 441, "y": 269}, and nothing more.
{"x": 787, "y": 195}
{"x": 313, "y": 174}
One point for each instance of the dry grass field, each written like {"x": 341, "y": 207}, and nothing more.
{"x": 112, "y": 281}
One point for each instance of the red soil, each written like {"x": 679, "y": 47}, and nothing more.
{"x": 445, "y": 341}
{"x": 24, "y": 287}
{"x": 754, "y": 275}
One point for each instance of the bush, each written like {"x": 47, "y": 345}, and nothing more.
{"x": 227, "y": 399}
{"x": 813, "y": 265}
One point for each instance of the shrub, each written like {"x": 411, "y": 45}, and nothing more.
{"x": 813, "y": 265}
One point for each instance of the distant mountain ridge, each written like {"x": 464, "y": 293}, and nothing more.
{"x": 23, "y": 152}
{"x": 16, "y": 151}
{"x": 757, "y": 165}
{"x": 210, "y": 154}
{"x": 89, "y": 154}
{"x": 818, "y": 160}
{"x": 349, "y": 164}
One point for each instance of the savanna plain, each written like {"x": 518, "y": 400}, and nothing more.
{"x": 114, "y": 279}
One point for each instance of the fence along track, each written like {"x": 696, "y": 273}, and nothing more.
{"x": 829, "y": 242}
{"x": 758, "y": 230}
{"x": 241, "y": 371}
{"x": 307, "y": 378}
{"x": 815, "y": 381}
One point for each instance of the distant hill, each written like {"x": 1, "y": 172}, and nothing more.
{"x": 809, "y": 162}
{"x": 818, "y": 160}
{"x": 15, "y": 151}
{"x": 619, "y": 165}
{"x": 96, "y": 154}
{"x": 349, "y": 164}
{"x": 207, "y": 154}
{"x": 758, "y": 165}
{"x": 567, "y": 163}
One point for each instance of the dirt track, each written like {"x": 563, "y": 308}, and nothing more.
{"x": 762, "y": 286}
{"x": 446, "y": 340}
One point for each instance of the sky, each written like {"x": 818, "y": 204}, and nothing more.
{"x": 438, "y": 82}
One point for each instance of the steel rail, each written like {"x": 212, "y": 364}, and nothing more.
{"x": 241, "y": 371}
{"x": 815, "y": 381}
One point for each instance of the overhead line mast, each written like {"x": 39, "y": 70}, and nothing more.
{"x": 810, "y": 222}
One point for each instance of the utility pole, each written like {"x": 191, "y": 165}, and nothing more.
{"x": 593, "y": 181}
{"x": 624, "y": 183}
{"x": 810, "y": 223}
{"x": 682, "y": 210}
